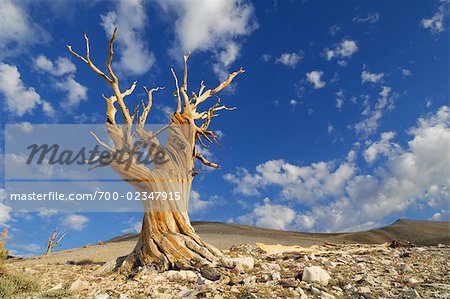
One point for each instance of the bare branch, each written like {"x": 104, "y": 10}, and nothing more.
{"x": 88, "y": 60}
{"x": 129, "y": 90}
{"x": 111, "y": 55}
{"x": 148, "y": 107}
{"x": 221, "y": 86}
{"x": 205, "y": 161}
{"x": 101, "y": 142}
{"x": 178, "y": 90}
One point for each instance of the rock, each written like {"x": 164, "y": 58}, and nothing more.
{"x": 79, "y": 285}
{"x": 411, "y": 294}
{"x": 364, "y": 290}
{"x": 315, "y": 274}
{"x": 59, "y": 286}
{"x": 203, "y": 281}
{"x": 325, "y": 295}
{"x": 185, "y": 293}
{"x": 274, "y": 267}
{"x": 188, "y": 275}
{"x": 241, "y": 263}
{"x": 311, "y": 256}
{"x": 412, "y": 280}
{"x": 405, "y": 268}
{"x": 301, "y": 293}
{"x": 276, "y": 276}
{"x": 210, "y": 273}
{"x": 101, "y": 296}
{"x": 330, "y": 264}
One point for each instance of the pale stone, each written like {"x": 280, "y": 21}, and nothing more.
{"x": 316, "y": 274}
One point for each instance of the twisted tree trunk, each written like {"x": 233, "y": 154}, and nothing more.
{"x": 167, "y": 239}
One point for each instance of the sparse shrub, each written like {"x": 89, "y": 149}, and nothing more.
{"x": 56, "y": 294}
{"x": 12, "y": 285}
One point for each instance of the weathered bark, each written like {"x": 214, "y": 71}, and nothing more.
{"x": 167, "y": 239}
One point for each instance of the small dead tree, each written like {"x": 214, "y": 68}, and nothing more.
{"x": 55, "y": 240}
{"x": 167, "y": 239}
{"x": 3, "y": 251}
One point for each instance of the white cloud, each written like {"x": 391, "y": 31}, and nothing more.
{"x": 289, "y": 59}
{"x": 370, "y": 18}
{"x": 306, "y": 184}
{"x": 339, "y": 103}
{"x": 343, "y": 50}
{"x": 334, "y": 29}
{"x": 75, "y": 221}
{"x": 75, "y": 92}
{"x": 330, "y": 128}
{"x": 198, "y": 205}
{"x": 31, "y": 247}
{"x": 214, "y": 26}
{"x": 61, "y": 66}
{"x": 436, "y": 24}
{"x": 373, "y": 115}
{"x": 45, "y": 213}
{"x": 269, "y": 215}
{"x": 19, "y": 98}
{"x": 367, "y": 76}
{"x": 315, "y": 78}
{"x": 340, "y": 99}
{"x": 17, "y": 29}
{"x": 406, "y": 73}
{"x": 354, "y": 200}
{"x": 443, "y": 215}
{"x": 5, "y": 211}
{"x": 293, "y": 103}
{"x": 130, "y": 19}
{"x": 26, "y": 127}
{"x": 134, "y": 227}
{"x": 266, "y": 57}
{"x": 382, "y": 147}
{"x": 64, "y": 72}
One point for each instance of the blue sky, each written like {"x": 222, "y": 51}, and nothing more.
{"x": 342, "y": 120}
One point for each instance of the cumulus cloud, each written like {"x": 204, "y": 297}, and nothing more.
{"x": 198, "y": 205}
{"x": 355, "y": 199}
{"x": 75, "y": 221}
{"x": 133, "y": 227}
{"x": 130, "y": 19}
{"x": 63, "y": 72}
{"x": 343, "y": 50}
{"x": 19, "y": 98}
{"x": 369, "y": 77}
{"x": 382, "y": 147}
{"x": 61, "y": 66}
{"x": 373, "y": 114}
{"x": 436, "y": 23}
{"x": 18, "y": 30}
{"x": 269, "y": 215}
{"x": 5, "y": 211}
{"x": 75, "y": 92}
{"x": 315, "y": 78}
{"x": 289, "y": 59}
{"x": 214, "y": 26}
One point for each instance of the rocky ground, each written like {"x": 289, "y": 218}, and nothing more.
{"x": 330, "y": 271}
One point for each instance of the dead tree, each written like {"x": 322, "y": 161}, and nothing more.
{"x": 3, "y": 252}
{"x": 55, "y": 240}
{"x": 167, "y": 239}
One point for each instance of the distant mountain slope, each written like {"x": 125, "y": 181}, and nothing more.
{"x": 224, "y": 235}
